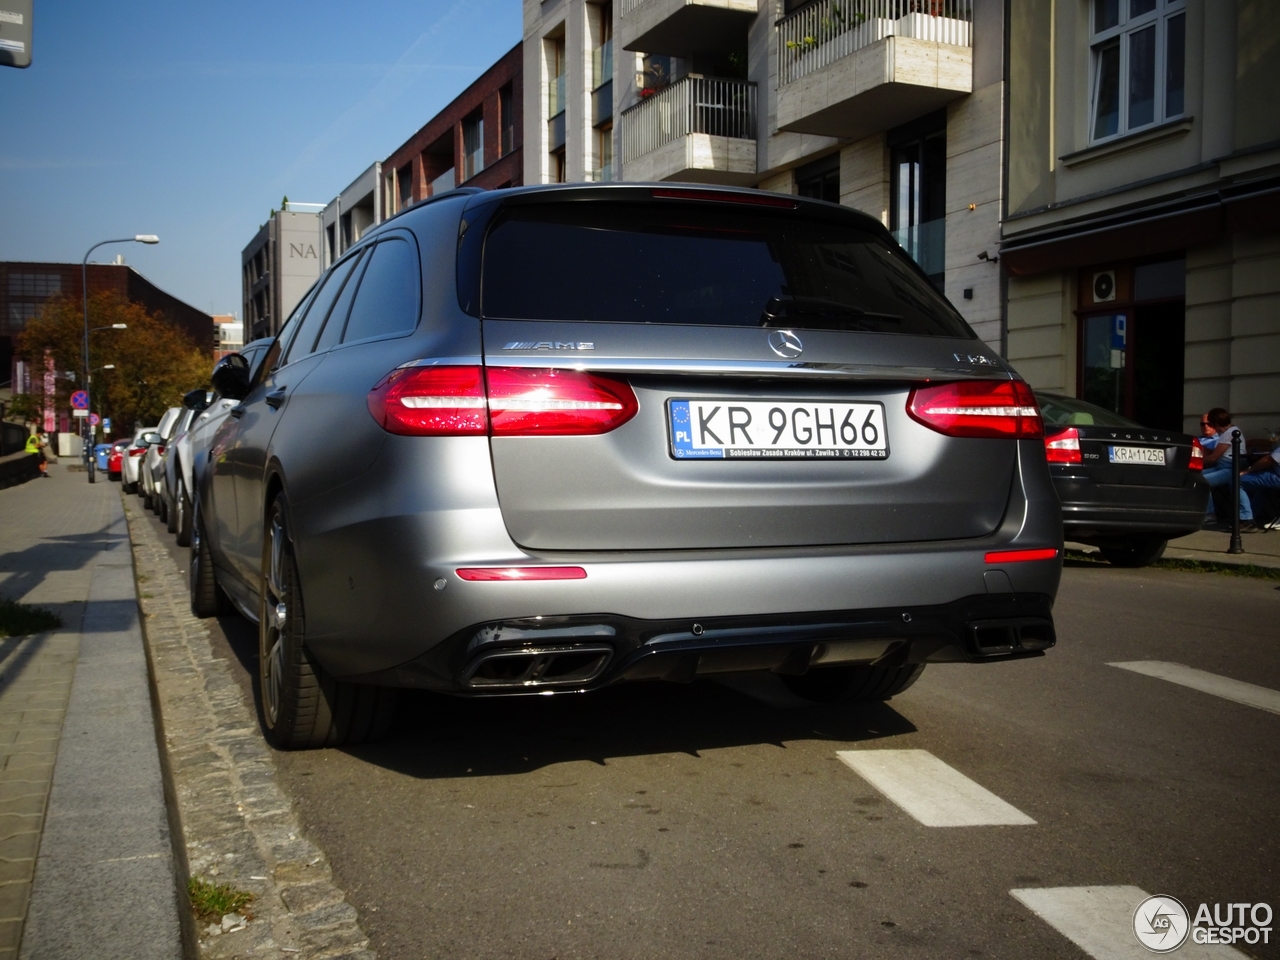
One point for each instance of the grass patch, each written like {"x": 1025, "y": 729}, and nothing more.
{"x": 210, "y": 902}
{"x": 1250, "y": 570}
{"x": 19, "y": 619}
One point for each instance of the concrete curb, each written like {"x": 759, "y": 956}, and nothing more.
{"x": 237, "y": 825}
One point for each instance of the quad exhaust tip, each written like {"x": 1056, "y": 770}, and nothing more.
{"x": 533, "y": 668}
{"x": 993, "y": 638}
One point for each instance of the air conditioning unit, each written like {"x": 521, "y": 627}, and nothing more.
{"x": 1104, "y": 286}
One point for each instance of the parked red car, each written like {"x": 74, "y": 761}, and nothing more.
{"x": 115, "y": 459}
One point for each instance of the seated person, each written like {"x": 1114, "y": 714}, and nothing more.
{"x": 1217, "y": 464}
{"x": 1263, "y": 475}
{"x": 1208, "y": 436}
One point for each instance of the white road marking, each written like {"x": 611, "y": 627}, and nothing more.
{"x": 1099, "y": 920}
{"x": 935, "y": 794}
{"x": 1251, "y": 695}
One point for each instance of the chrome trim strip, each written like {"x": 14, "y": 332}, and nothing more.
{"x": 443, "y": 362}
{"x": 748, "y": 367}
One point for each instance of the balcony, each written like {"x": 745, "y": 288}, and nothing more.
{"x": 684, "y": 28}
{"x": 850, "y": 68}
{"x": 699, "y": 130}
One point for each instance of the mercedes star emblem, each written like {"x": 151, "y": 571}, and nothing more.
{"x": 785, "y": 344}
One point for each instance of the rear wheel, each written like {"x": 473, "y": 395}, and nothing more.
{"x": 302, "y": 706}
{"x": 207, "y": 598}
{"x": 854, "y": 683}
{"x": 168, "y": 515}
{"x": 1134, "y": 551}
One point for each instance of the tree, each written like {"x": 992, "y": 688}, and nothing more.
{"x": 155, "y": 363}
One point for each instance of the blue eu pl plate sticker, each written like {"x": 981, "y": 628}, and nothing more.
{"x": 682, "y": 435}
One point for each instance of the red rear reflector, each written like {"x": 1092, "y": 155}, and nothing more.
{"x": 1063, "y": 446}
{"x": 1020, "y": 556}
{"x": 1197, "y": 456}
{"x": 525, "y": 402}
{"x": 137, "y": 451}
{"x": 978, "y": 408}
{"x": 717, "y": 197}
{"x": 453, "y": 401}
{"x": 521, "y": 573}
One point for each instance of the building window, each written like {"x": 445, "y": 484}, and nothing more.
{"x": 472, "y": 145}
{"x": 602, "y": 56}
{"x": 35, "y": 284}
{"x": 820, "y": 179}
{"x": 507, "y": 117}
{"x": 918, "y": 193}
{"x": 404, "y": 185}
{"x": 559, "y": 172}
{"x": 604, "y": 152}
{"x": 556, "y": 129}
{"x": 1139, "y": 60}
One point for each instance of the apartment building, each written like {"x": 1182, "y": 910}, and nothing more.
{"x": 894, "y": 107}
{"x": 349, "y": 215}
{"x": 278, "y": 266}
{"x": 475, "y": 141}
{"x": 1142, "y": 241}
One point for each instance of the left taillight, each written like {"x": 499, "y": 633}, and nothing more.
{"x": 1063, "y": 446}
{"x": 1005, "y": 409}
{"x": 1197, "y": 456}
{"x": 137, "y": 451}
{"x": 502, "y": 401}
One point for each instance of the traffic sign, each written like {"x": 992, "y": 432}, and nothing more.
{"x": 106, "y": 424}
{"x": 80, "y": 400}
{"x": 94, "y": 419}
{"x": 79, "y": 413}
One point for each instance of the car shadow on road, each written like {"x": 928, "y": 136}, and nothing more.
{"x": 441, "y": 737}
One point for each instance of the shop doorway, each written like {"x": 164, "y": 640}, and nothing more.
{"x": 1132, "y": 343}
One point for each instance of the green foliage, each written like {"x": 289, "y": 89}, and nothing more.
{"x": 210, "y": 902}
{"x": 24, "y": 408}
{"x": 155, "y": 362}
{"x": 20, "y": 620}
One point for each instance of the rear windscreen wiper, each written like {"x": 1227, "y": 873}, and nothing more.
{"x": 817, "y": 313}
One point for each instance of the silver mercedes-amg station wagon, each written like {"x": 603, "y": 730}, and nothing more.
{"x": 549, "y": 439}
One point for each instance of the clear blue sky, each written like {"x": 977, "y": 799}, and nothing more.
{"x": 192, "y": 120}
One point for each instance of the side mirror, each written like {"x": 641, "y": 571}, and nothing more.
{"x": 151, "y": 439}
{"x": 231, "y": 377}
{"x": 196, "y": 400}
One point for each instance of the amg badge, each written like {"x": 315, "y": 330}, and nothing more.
{"x": 550, "y": 345}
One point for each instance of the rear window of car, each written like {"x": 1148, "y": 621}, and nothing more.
{"x": 1069, "y": 412}
{"x": 634, "y": 263}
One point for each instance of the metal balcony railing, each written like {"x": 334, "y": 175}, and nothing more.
{"x": 626, "y": 6}
{"x": 721, "y": 108}
{"x": 823, "y": 31}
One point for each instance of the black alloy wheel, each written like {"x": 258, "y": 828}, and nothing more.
{"x": 853, "y": 683}
{"x": 207, "y": 598}
{"x": 302, "y": 706}
{"x": 182, "y": 508}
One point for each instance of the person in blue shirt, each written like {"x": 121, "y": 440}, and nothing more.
{"x": 1265, "y": 474}
{"x": 1217, "y": 465}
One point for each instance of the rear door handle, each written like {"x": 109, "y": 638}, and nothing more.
{"x": 276, "y": 398}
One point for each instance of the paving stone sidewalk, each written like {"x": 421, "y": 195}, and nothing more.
{"x": 86, "y": 857}
{"x": 238, "y": 826}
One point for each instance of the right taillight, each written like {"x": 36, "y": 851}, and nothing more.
{"x": 1004, "y": 409}
{"x": 1197, "y": 456}
{"x": 502, "y": 401}
{"x": 1063, "y": 446}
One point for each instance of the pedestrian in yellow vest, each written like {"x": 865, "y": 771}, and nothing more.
{"x": 36, "y": 444}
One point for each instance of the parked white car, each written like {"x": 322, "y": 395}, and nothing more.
{"x": 131, "y": 464}
{"x": 147, "y": 487}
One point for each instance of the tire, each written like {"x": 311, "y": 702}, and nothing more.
{"x": 854, "y": 683}
{"x": 207, "y": 598}
{"x": 302, "y": 707}
{"x": 168, "y": 515}
{"x": 1135, "y": 551}
{"x": 182, "y": 507}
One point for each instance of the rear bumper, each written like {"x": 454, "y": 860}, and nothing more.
{"x": 578, "y": 653}
{"x": 1098, "y": 511}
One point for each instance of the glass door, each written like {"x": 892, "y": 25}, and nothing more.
{"x": 1104, "y": 366}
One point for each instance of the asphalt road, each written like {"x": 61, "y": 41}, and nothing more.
{"x": 659, "y": 820}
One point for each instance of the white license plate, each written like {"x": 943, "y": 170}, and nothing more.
{"x": 1153, "y": 456}
{"x": 723, "y": 429}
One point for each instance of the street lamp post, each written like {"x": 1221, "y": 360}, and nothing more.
{"x": 87, "y": 433}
